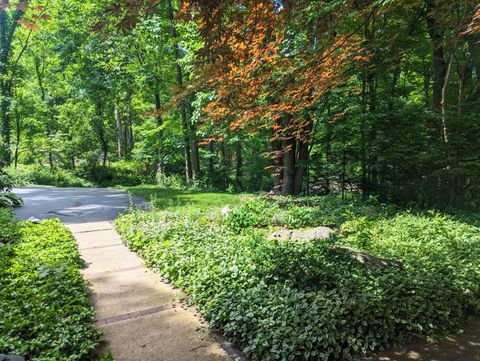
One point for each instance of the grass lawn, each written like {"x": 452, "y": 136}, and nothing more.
{"x": 178, "y": 198}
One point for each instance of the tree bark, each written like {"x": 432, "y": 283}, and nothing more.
{"x": 7, "y": 31}
{"x": 239, "y": 163}
{"x": 159, "y": 119}
{"x": 289, "y": 149}
{"x": 438, "y": 52}
{"x": 120, "y": 131}
{"x": 182, "y": 106}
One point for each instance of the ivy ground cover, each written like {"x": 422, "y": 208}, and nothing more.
{"x": 45, "y": 312}
{"x": 282, "y": 300}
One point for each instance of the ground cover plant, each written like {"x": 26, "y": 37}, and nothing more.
{"x": 282, "y": 300}
{"x": 45, "y": 310}
{"x": 8, "y": 225}
{"x": 291, "y": 212}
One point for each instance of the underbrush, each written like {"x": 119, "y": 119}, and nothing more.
{"x": 281, "y": 300}
{"x": 26, "y": 175}
{"x": 45, "y": 311}
{"x": 302, "y": 212}
{"x": 8, "y": 225}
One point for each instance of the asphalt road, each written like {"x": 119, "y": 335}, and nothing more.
{"x": 74, "y": 205}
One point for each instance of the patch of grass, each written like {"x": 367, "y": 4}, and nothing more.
{"x": 45, "y": 312}
{"x": 168, "y": 198}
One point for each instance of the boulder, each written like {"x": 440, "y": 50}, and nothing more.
{"x": 11, "y": 358}
{"x": 305, "y": 235}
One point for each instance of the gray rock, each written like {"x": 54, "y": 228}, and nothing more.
{"x": 366, "y": 258}
{"x": 11, "y": 358}
{"x": 226, "y": 211}
{"x": 33, "y": 220}
{"x": 305, "y": 235}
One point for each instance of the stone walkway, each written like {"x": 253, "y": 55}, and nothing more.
{"x": 139, "y": 315}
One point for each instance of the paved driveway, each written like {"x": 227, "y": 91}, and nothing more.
{"x": 74, "y": 205}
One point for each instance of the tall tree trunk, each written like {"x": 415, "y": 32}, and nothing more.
{"x": 239, "y": 163}
{"x": 289, "y": 157}
{"x": 120, "y": 131}
{"x": 211, "y": 165}
{"x": 443, "y": 102}
{"x": 159, "y": 119}
{"x": 300, "y": 167}
{"x": 182, "y": 106}
{"x": 128, "y": 131}
{"x": 8, "y": 26}
{"x": 195, "y": 151}
{"x": 18, "y": 137}
{"x": 438, "y": 52}
{"x": 301, "y": 163}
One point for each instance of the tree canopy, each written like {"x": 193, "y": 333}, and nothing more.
{"x": 375, "y": 98}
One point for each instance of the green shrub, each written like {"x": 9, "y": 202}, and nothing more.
{"x": 26, "y": 175}
{"x": 8, "y": 225}
{"x": 313, "y": 301}
{"x": 302, "y": 212}
{"x": 436, "y": 244}
{"x": 45, "y": 311}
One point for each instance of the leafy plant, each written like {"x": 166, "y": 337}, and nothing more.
{"x": 46, "y": 312}
{"x": 315, "y": 301}
{"x": 8, "y": 225}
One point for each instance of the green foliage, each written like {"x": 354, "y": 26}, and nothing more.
{"x": 8, "y": 225}
{"x": 162, "y": 198}
{"x": 10, "y": 199}
{"x": 37, "y": 175}
{"x": 314, "y": 301}
{"x": 302, "y": 212}
{"x": 446, "y": 249}
{"x": 6, "y": 183}
{"x": 46, "y": 312}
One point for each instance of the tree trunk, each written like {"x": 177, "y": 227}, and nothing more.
{"x": 289, "y": 149}
{"x": 159, "y": 119}
{"x": 120, "y": 131}
{"x": 17, "y": 143}
{"x": 438, "y": 52}
{"x": 300, "y": 167}
{"x": 239, "y": 163}
{"x": 182, "y": 106}
{"x": 195, "y": 152}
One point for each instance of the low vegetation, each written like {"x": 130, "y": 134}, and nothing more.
{"x": 8, "y": 225}
{"x": 45, "y": 310}
{"x": 178, "y": 198}
{"x": 284, "y": 300}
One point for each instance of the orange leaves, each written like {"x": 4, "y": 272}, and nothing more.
{"x": 22, "y": 6}
{"x": 258, "y": 81}
{"x": 474, "y": 27}
{"x": 33, "y": 18}
{"x": 28, "y": 24}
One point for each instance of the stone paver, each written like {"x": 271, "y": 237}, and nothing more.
{"x": 165, "y": 336}
{"x": 134, "y": 308}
